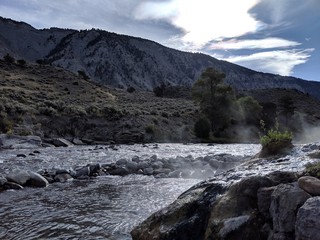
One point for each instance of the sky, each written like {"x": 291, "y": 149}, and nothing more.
{"x": 274, "y": 36}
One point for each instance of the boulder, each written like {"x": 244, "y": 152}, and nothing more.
{"x": 77, "y": 141}
{"x": 27, "y": 178}
{"x": 186, "y": 218}
{"x": 36, "y": 180}
{"x": 18, "y": 176}
{"x": 82, "y": 172}
{"x": 19, "y": 142}
{"x": 264, "y": 201}
{"x": 310, "y": 184}
{"x": 239, "y": 201}
{"x": 61, "y": 142}
{"x": 12, "y": 185}
{"x": 62, "y": 177}
{"x": 285, "y": 202}
{"x": 307, "y": 223}
{"x": 132, "y": 166}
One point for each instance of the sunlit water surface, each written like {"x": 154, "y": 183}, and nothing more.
{"x": 101, "y": 208}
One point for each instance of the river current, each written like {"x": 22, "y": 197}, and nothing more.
{"x": 106, "y": 207}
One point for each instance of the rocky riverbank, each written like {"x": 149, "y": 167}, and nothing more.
{"x": 245, "y": 196}
{"x": 270, "y": 205}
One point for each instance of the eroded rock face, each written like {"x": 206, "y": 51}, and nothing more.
{"x": 19, "y": 142}
{"x": 186, "y": 218}
{"x": 285, "y": 202}
{"x": 213, "y": 210}
{"x": 307, "y": 224}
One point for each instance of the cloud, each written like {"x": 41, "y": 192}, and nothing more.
{"x": 266, "y": 43}
{"x": 279, "y": 62}
{"x": 204, "y": 20}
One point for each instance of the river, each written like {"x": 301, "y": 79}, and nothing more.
{"x": 106, "y": 207}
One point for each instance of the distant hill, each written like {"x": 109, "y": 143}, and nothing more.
{"x": 123, "y": 61}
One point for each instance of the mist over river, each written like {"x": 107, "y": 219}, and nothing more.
{"x": 105, "y": 207}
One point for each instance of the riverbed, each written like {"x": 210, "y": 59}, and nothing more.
{"x": 106, "y": 207}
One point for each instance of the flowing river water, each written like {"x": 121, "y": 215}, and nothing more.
{"x": 106, "y": 207}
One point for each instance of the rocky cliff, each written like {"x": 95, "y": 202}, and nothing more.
{"x": 124, "y": 61}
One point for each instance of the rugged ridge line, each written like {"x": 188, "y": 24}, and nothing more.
{"x": 123, "y": 61}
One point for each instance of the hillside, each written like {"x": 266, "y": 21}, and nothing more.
{"x": 123, "y": 61}
{"x": 52, "y": 102}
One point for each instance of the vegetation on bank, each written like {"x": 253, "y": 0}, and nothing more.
{"x": 226, "y": 115}
{"x": 219, "y": 105}
{"x": 218, "y": 114}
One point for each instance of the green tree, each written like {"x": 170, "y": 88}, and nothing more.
{"x": 202, "y": 128}
{"x": 286, "y": 107}
{"x": 250, "y": 110}
{"x": 215, "y": 98}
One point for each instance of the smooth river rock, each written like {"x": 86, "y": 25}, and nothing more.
{"x": 27, "y": 178}
{"x": 310, "y": 185}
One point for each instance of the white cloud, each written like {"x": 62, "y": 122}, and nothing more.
{"x": 266, "y": 43}
{"x": 279, "y": 62}
{"x": 203, "y": 20}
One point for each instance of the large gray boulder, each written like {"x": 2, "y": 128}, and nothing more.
{"x": 285, "y": 202}
{"x": 19, "y": 142}
{"x": 27, "y": 178}
{"x": 307, "y": 224}
{"x": 184, "y": 219}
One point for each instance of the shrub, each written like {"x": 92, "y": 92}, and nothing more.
{"x": 83, "y": 75}
{"x": 202, "y": 128}
{"x": 149, "y": 129}
{"x": 131, "y": 89}
{"x": 21, "y": 62}
{"x": 5, "y": 125}
{"x": 8, "y": 58}
{"x": 313, "y": 169}
{"x": 275, "y": 142}
{"x": 40, "y": 61}
{"x": 159, "y": 91}
{"x": 275, "y": 136}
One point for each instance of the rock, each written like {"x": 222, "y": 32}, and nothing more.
{"x": 61, "y": 142}
{"x": 63, "y": 177}
{"x": 310, "y": 184}
{"x": 232, "y": 224}
{"x": 148, "y": 171}
{"x": 132, "y": 166}
{"x": 285, "y": 201}
{"x": 120, "y": 171}
{"x": 184, "y": 219}
{"x": 240, "y": 200}
{"x": 307, "y": 223}
{"x": 21, "y": 155}
{"x": 18, "y": 176}
{"x": 27, "y": 178}
{"x": 121, "y": 162}
{"x": 174, "y": 174}
{"x": 12, "y": 185}
{"x": 264, "y": 201}
{"x": 19, "y": 142}
{"x": 77, "y": 141}
{"x": 94, "y": 169}
{"x": 36, "y": 180}
{"x": 3, "y": 180}
{"x": 82, "y": 172}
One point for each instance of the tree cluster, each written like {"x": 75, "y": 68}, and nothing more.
{"x": 220, "y": 106}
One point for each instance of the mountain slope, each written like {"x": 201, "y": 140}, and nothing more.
{"x": 124, "y": 61}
